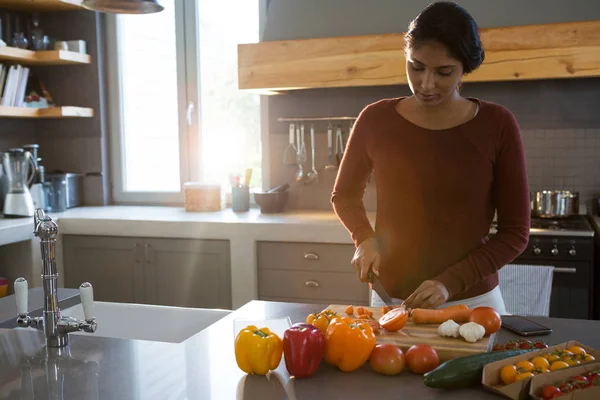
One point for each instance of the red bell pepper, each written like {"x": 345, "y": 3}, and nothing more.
{"x": 303, "y": 349}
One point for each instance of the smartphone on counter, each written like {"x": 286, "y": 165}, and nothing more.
{"x": 523, "y": 326}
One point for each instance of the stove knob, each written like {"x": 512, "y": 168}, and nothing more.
{"x": 537, "y": 251}
{"x": 572, "y": 252}
{"x": 554, "y": 251}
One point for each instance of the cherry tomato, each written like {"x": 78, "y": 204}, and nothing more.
{"x": 486, "y": 317}
{"x": 394, "y": 320}
{"x": 387, "y": 359}
{"x": 550, "y": 392}
{"x": 422, "y": 358}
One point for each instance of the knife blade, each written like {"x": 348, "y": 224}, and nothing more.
{"x": 380, "y": 290}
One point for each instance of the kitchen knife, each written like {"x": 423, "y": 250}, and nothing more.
{"x": 379, "y": 289}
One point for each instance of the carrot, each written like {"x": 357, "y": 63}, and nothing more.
{"x": 349, "y": 310}
{"x": 457, "y": 307}
{"x": 426, "y": 316}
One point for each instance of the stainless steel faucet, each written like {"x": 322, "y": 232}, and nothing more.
{"x": 55, "y": 327}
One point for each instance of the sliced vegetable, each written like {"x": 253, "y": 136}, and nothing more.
{"x": 426, "y": 316}
{"x": 349, "y": 310}
{"x": 257, "y": 351}
{"x": 464, "y": 372}
{"x": 394, "y": 320}
{"x": 348, "y": 343}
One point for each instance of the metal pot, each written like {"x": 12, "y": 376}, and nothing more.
{"x": 554, "y": 204}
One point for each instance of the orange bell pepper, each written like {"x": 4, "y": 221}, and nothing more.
{"x": 321, "y": 320}
{"x": 348, "y": 343}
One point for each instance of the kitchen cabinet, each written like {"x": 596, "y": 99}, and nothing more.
{"x": 170, "y": 272}
{"x": 309, "y": 273}
{"x": 514, "y": 53}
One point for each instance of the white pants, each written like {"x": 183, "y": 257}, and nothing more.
{"x": 493, "y": 299}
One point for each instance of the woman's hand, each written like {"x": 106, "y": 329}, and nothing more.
{"x": 366, "y": 257}
{"x": 429, "y": 295}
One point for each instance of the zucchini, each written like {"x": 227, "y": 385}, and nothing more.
{"x": 465, "y": 372}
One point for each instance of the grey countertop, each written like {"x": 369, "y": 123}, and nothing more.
{"x": 35, "y": 302}
{"x": 204, "y": 367}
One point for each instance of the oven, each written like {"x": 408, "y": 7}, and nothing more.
{"x": 567, "y": 244}
{"x": 573, "y": 281}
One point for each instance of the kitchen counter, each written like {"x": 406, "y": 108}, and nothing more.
{"x": 242, "y": 230}
{"x": 14, "y": 230}
{"x": 204, "y": 367}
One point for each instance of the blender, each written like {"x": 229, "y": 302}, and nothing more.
{"x": 18, "y": 201}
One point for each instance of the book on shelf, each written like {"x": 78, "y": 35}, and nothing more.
{"x": 13, "y": 83}
{"x": 19, "y": 88}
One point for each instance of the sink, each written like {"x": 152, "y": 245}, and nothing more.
{"x": 147, "y": 322}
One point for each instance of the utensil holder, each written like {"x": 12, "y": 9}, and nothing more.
{"x": 240, "y": 198}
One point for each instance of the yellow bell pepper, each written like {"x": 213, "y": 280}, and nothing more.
{"x": 257, "y": 351}
{"x": 321, "y": 320}
{"x": 348, "y": 343}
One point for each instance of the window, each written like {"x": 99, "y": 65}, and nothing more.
{"x": 176, "y": 113}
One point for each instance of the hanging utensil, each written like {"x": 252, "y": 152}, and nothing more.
{"x": 339, "y": 145}
{"x": 313, "y": 175}
{"x": 301, "y": 155}
{"x": 331, "y": 161}
{"x": 290, "y": 154}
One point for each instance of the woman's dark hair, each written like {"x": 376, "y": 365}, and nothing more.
{"x": 451, "y": 25}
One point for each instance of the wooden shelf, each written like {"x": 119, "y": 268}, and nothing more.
{"x": 551, "y": 51}
{"x": 42, "y": 5}
{"x": 46, "y": 57}
{"x": 52, "y": 112}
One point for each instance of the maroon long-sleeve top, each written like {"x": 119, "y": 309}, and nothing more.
{"x": 437, "y": 191}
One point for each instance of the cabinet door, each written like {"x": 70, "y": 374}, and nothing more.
{"x": 111, "y": 264}
{"x": 188, "y": 273}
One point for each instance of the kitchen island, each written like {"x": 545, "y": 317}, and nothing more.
{"x": 204, "y": 367}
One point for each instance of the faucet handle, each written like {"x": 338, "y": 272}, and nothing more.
{"x": 86, "y": 293}
{"x": 21, "y": 293}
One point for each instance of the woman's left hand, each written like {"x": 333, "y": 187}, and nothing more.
{"x": 429, "y": 295}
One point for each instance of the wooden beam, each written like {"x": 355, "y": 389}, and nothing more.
{"x": 551, "y": 51}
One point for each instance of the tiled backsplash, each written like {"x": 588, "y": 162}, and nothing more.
{"x": 564, "y": 159}
{"x": 556, "y": 159}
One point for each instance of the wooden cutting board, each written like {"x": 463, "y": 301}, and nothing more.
{"x": 446, "y": 347}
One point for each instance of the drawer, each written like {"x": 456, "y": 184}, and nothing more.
{"x": 324, "y": 302}
{"x": 312, "y": 285}
{"x": 305, "y": 256}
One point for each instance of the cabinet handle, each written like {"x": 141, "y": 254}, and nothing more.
{"x": 135, "y": 255}
{"x": 146, "y": 248}
{"x": 566, "y": 270}
{"x": 311, "y": 283}
{"x": 311, "y": 256}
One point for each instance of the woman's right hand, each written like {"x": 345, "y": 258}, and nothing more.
{"x": 366, "y": 258}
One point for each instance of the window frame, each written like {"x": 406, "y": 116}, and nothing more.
{"x": 189, "y": 105}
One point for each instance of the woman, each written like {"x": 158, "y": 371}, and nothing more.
{"x": 444, "y": 165}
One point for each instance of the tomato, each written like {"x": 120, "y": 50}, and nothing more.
{"x": 486, "y": 317}
{"x": 550, "y": 392}
{"x": 394, "y": 320}
{"x": 387, "y": 359}
{"x": 422, "y": 358}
